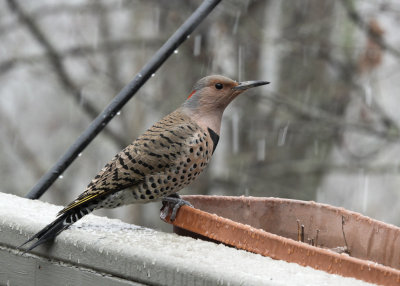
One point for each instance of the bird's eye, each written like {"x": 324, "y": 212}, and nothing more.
{"x": 219, "y": 86}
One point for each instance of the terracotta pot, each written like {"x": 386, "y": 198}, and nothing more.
{"x": 335, "y": 240}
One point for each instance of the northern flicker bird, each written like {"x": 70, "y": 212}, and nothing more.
{"x": 167, "y": 157}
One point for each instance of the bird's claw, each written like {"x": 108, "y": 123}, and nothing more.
{"x": 175, "y": 202}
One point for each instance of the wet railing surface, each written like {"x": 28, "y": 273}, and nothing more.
{"x": 101, "y": 251}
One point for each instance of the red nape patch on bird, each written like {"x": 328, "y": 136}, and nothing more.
{"x": 190, "y": 95}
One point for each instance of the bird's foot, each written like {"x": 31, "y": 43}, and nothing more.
{"x": 174, "y": 201}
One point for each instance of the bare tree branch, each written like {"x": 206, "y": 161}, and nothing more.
{"x": 309, "y": 167}
{"x": 89, "y": 8}
{"x": 62, "y": 75}
{"x": 357, "y": 19}
{"x": 82, "y": 51}
{"x": 23, "y": 150}
{"x": 61, "y": 8}
{"x": 313, "y": 113}
{"x": 347, "y": 72}
{"x": 276, "y": 174}
{"x": 111, "y": 59}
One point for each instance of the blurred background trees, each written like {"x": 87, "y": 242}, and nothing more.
{"x": 326, "y": 129}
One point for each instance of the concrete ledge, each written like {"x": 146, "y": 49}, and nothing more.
{"x": 102, "y": 251}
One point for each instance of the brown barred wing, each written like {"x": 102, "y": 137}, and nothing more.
{"x": 158, "y": 149}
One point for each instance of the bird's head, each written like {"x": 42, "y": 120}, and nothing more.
{"x": 211, "y": 95}
{"x": 215, "y": 92}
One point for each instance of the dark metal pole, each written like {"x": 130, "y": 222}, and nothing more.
{"x": 123, "y": 96}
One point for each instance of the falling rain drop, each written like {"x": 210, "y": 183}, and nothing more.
{"x": 316, "y": 147}
{"x": 368, "y": 94}
{"x": 282, "y": 135}
{"x": 261, "y": 149}
{"x": 156, "y": 20}
{"x": 365, "y": 193}
{"x": 235, "y": 132}
{"x": 96, "y": 37}
{"x": 236, "y": 24}
{"x": 197, "y": 45}
{"x": 240, "y": 63}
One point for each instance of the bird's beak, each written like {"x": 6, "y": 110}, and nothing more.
{"x": 249, "y": 84}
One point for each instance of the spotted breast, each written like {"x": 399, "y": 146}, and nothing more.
{"x": 166, "y": 158}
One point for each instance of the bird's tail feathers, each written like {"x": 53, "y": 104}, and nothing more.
{"x": 58, "y": 225}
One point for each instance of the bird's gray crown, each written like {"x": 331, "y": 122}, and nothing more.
{"x": 206, "y": 81}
